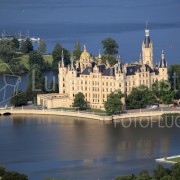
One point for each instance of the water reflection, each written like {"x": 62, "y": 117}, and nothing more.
{"x": 42, "y": 144}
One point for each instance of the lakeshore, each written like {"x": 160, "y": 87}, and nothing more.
{"x": 88, "y": 115}
{"x": 171, "y": 159}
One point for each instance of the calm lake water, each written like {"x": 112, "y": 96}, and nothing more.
{"x": 52, "y": 146}
{"x": 90, "y": 21}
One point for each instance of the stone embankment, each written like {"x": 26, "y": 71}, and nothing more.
{"x": 86, "y": 115}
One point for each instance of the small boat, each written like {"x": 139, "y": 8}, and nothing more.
{"x": 35, "y": 39}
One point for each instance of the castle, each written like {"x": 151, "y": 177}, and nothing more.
{"x": 96, "y": 80}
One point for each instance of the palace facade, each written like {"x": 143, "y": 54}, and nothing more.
{"x": 96, "y": 80}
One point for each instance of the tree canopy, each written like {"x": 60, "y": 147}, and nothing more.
{"x": 57, "y": 56}
{"x": 159, "y": 173}
{"x": 77, "y": 51}
{"x": 42, "y": 47}
{"x": 163, "y": 91}
{"x": 26, "y": 46}
{"x": 6, "y": 50}
{"x": 20, "y": 99}
{"x": 140, "y": 97}
{"x": 14, "y": 176}
{"x": 111, "y": 59}
{"x": 110, "y": 46}
{"x": 79, "y": 101}
{"x": 113, "y": 105}
{"x": 35, "y": 58}
{"x": 15, "y": 43}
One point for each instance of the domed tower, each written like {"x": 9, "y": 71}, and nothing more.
{"x": 85, "y": 59}
{"x": 147, "y": 49}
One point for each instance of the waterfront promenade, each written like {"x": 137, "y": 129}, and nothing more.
{"x": 88, "y": 115}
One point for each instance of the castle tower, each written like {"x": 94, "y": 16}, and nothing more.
{"x": 62, "y": 75}
{"x": 147, "y": 49}
{"x": 163, "y": 69}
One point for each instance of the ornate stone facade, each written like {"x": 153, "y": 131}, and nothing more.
{"x": 97, "y": 80}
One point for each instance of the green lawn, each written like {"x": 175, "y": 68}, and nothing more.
{"x": 177, "y": 159}
{"x": 48, "y": 58}
{"x": 24, "y": 60}
{"x": 2, "y": 67}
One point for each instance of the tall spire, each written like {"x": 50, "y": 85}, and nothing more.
{"x": 147, "y": 24}
{"x": 163, "y": 63}
{"x": 99, "y": 54}
{"x": 162, "y": 55}
{"x": 147, "y": 29}
{"x": 140, "y": 58}
{"x": 62, "y": 58}
{"x": 147, "y": 38}
{"x": 85, "y": 48}
{"x": 72, "y": 62}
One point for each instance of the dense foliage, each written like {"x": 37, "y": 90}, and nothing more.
{"x": 6, "y": 50}
{"x": 113, "y": 105}
{"x": 11, "y": 175}
{"x": 77, "y": 51}
{"x": 159, "y": 173}
{"x": 111, "y": 59}
{"x": 26, "y": 46}
{"x": 79, "y": 101}
{"x": 163, "y": 91}
{"x": 42, "y": 47}
{"x": 57, "y": 56}
{"x": 140, "y": 97}
{"x": 15, "y": 44}
{"x": 19, "y": 99}
{"x": 110, "y": 46}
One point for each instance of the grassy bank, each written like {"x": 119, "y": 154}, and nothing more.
{"x": 23, "y": 60}
{"x": 176, "y": 160}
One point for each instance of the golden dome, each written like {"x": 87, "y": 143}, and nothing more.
{"x": 85, "y": 55}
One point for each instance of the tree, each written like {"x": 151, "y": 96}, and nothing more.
{"x": 2, "y": 171}
{"x": 110, "y": 46}
{"x": 15, "y": 43}
{"x": 6, "y": 50}
{"x": 113, "y": 105}
{"x": 26, "y": 46}
{"x": 14, "y": 176}
{"x": 79, "y": 101}
{"x": 175, "y": 171}
{"x": 16, "y": 67}
{"x": 57, "y": 56}
{"x": 77, "y": 51}
{"x": 36, "y": 58}
{"x": 42, "y": 47}
{"x": 140, "y": 97}
{"x": 159, "y": 172}
{"x": 162, "y": 90}
{"x": 111, "y": 59}
{"x": 19, "y": 100}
